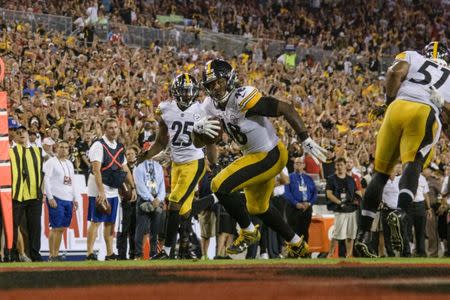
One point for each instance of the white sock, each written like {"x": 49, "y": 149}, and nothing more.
{"x": 295, "y": 239}
{"x": 251, "y": 227}
{"x": 167, "y": 250}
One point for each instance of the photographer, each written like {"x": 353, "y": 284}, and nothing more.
{"x": 149, "y": 179}
{"x": 341, "y": 192}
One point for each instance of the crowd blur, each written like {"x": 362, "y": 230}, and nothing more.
{"x": 62, "y": 88}
{"x": 374, "y": 25}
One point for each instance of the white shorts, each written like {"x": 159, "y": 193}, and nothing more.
{"x": 345, "y": 226}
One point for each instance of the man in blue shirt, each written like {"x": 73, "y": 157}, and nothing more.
{"x": 301, "y": 193}
{"x": 149, "y": 180}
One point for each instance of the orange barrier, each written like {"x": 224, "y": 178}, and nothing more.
{"x": 319, "y": 233}
{"x": 5, "y": 168}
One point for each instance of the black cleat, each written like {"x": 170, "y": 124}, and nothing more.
{"x": 91, "y": 256}
{"x": 363, "y": 246}
{"x": 244, "y": 240}
{"x": 161, "y": 255}
{"x": 111, "y": 257}
{"x": 396, "y": 222}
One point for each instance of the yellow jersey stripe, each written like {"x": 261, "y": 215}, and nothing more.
{"x": 252, "y": 102}
{"x": 435, "y": 48}
{"x": 249, "y": 96}
{"x": 401, "y": 56}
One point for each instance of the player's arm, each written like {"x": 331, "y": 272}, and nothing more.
{"x": 271, "y": 107}
{"x": 162, "y": 139}
{"x": 395, "y": 75}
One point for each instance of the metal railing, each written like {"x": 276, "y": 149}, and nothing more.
{"x": 47, "y": 22}
{"x": 230, "y": 45}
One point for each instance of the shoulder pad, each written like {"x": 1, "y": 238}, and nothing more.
{"x": 246, "y": 97}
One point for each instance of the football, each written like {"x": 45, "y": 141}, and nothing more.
{"x": 207, "y": 139}
{"x": 103, "y": 207}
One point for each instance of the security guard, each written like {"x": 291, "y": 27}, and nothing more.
{"x": 27, "y": 176}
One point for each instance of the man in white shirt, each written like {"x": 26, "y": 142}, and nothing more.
{"x": 61, "y": 195}
{"x": 390, "y": 199}
{"x": 109, "y": 171}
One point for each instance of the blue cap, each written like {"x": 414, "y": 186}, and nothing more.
{"x": 14, "y": 125}
{"x": 289, "y": 47}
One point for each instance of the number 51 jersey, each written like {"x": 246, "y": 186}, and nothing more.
{"x": 252, "y": 134}
{"x": 180, "y": 124}
{"x": 423, "y": 73}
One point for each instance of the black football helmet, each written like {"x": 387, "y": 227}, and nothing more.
{"x": 438, "y": 52}
{"x": 216, "y": 70}
{"x": 185, "y": 89}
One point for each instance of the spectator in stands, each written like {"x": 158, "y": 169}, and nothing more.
{"x": 109, "y": 172}
{"x": 301, "y": 192}
{"x": 61, "y": 194}
{"x": 341, "y": 191}
{"x": 149, "y": 178}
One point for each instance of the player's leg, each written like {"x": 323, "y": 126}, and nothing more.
{"x": 386, "y": 156}
{"x": 255, "y": 174}
{"x": 185, "y": 178}
{"x": 420, "y": 134}
{"x": 258, "y": 203}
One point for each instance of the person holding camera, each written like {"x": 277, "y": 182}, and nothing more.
{"x": 151, "y": 190}
{"x": 342, "y": 193}
{"x": 109, "y": 171}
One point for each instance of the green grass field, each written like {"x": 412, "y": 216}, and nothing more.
{"x": 169, "y": 263}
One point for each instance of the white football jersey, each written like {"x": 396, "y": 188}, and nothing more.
{"x": 180, "y": 124}
{"x": 252, "y": 134}
{"x": 423, "y": 73}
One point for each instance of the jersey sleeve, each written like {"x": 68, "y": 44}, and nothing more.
{"x": 406, "y": 56}
{"x": 160, "y": 109}
{"x": 247, "y": 97}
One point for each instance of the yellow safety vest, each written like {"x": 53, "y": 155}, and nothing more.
{"x": 26, "y": 172}
{"x": 289, "y": 60}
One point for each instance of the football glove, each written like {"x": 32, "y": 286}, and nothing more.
{"x": 377, "y": 112}
{"x": 314, "y": 149}
{"x": 207, "y": 126}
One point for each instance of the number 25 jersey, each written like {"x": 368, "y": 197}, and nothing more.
{"x": 423, "y": 73}
{"x": 180, "y": 124}
{"x": 252, "y": 134}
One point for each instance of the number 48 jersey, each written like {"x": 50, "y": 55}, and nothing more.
{"x": 180, "y": 124}
{"x": 423, "y": 73}
{"x": 252, "y": 134}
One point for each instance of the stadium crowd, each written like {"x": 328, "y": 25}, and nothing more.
{"x": 61, "y": 88}
{"x": 375, "y": 26}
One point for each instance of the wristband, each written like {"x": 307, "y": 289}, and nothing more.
{"x": 303, "y": 135}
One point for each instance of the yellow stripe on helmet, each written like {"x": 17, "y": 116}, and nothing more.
{"x": 435, "y": 49}
{"x": 188, "y": 80}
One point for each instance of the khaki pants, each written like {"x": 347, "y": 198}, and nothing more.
{"x": 432, "y": 234}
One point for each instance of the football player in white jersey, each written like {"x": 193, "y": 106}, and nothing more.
{"x": 176, "y": 119}
{"x": 417, "y": 90}
{"x": 244, "y": 113}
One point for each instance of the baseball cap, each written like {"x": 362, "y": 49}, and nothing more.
{"x": 14, "y": 125}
